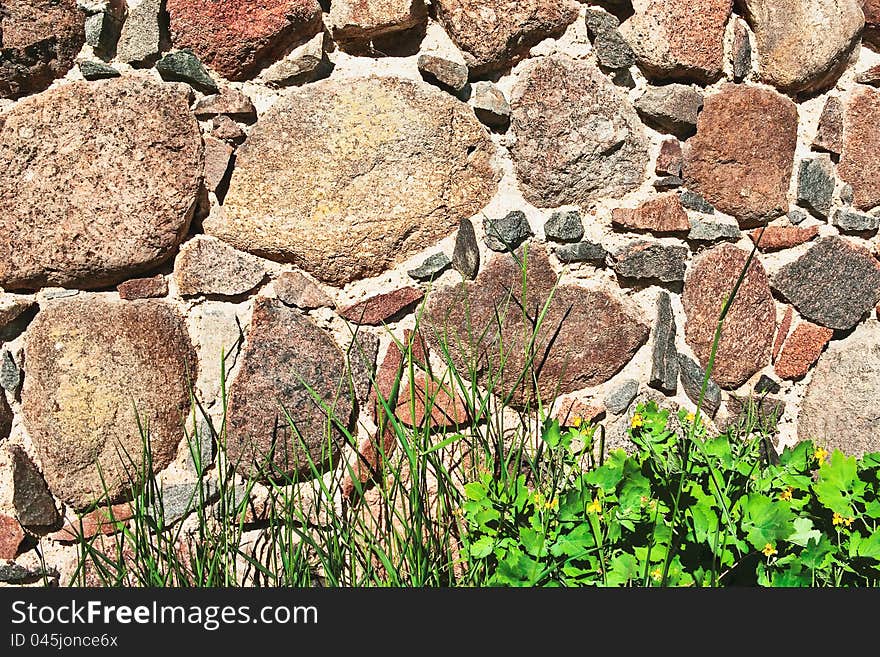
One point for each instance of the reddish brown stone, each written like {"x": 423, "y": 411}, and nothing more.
{"x": 674, "y": 41}
{"x": 39, "y": 40}
{"x": 419, "y": 348}
{"x": 217, "y": 157}
{"x": 586, "y": 335}
{"x": 782, "y": 333}
{"x": 369, "y": 459}
{"x": 776, "y": 238}
{"x": 239, "y": 38}
{"x": 143, "y": 288}
{"x": 859, "y": 165}
{"x": 380, "y": 308}
{"x": 230, "y": 103}
{"x": 12, "y": 307}
{"x": 208, "y": 266}
{"x": 829, "y": 135}
{"x": 493, "y": 34}
{"x": 802, "y": 350}
{"x": 296, "y": 289}
{"x": 870, "y": 76}
{"x": 663, "y": 214}
{"x": 574, "y": 412}
{"x": 11, "y": 536}
{"x": 446, "y": 407}
{"x": 669, "y": 159}
{"x": 363, "y": 20}
{"x": 34, "y": 505}
{"x": 747, "y": 332}
{"x": 103, "y": 520}
{"x": 226, "y": 129}
{"x": 386, "y": 376}
{"x": 290, "y": 397}
{"x": 742, "y": 156}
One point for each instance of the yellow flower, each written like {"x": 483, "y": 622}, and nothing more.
{"x": 538, "y": 498}
{"x": 838, "y": 519}
{"x": 786, "y": 494}
{"x": 577, "y": 421}
{"x": 656, "y": 574}
{"x": 552, "y": 504}
{"x": 848, "y": 521}
{"x": 637, "y": 421}
{"x": 594, "y": 507}
{"x": 690, "y": 417}
{"x": 820, "y": 454}
{"x": 769, "y": 550}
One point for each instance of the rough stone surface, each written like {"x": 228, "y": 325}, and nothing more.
{"x": 430, "y": 403}
{"x": 665, "y": 183}
{"x": 143, "y": 288}
{"x": 103, "y": 520}
{"x": 97, "y": 70}
{"x": 802, "y": 348}
{"x": 12, "y": 307}
{"x": 218, "y": 155}
{"x": 443, "y": 72}
{"x": 237, "y": 39}
{"x": 829, "y": 134}
{"x": 848, "y": 221}
{"x": 39, "y": 41}
{"x": 575, "y": 411}
{"x": 227, "y": 102}
{"x": 585, "y": 251}
{"x": 594, "y": 333}
{"x": 765, "y": 384}
{"x": 870, "y": 76}
{"x": 370, "y": 194}
{"x": 797, "y": 216}
{"x": 692, "y": 377}
{"x": 10, "y": 374}
{"x": 33, "y": 503}
{"x": 776, "y": 238}
{"x": 612, "y": 50}
{"x": 761, "y": 409}
{"x": 872, "y": 22}
{"x": 364, "y": 20}
{"x": 742, "y": 155}
{"x": 859, "y": 165}
{"x": 672, "y": 108}
{"x": 431, "y": 267}
{"x": 115, "y": 195}
{"x": 139, "y": 39}
{"x": 833, "y": 284}
{"x": 493, "y": 34}
{"x": 490, "y": 105}
{"x": 816, "y": 184}
{"x": 5, "y": 417}
{"x": 466, "y": 253}
{"x": 305, "y": 63}
{"x": 79, "y": 405}
{"x": 669, "y": 159}
{"x": 286, "y": 352}
{"x": 671, "y": 41}
{"x": 11, "y": 536}
{"x": 664, "y": 355}
{"x": 741, "y": 51}
{"x": 693, "y": 201}
{"x": 361, "y": 362}
{"x": 803, "y": 45}
{"x": 577, "y": 137}
{"x": 661, "y": 215}
{"x": 209, "y": 267}
{"x": 703, "y": 230}
{"x": 297, "y": 289}
{"x": 645, "y": 259}
{"x": 782, "y": 332}
{"x": 389, "y": 373}
{"x": 383, "y": 307}
{"x": 508, "y": 232}
{"x": 619, "y": 399}
{"x": 226, "y": 129}
{"x": 839, "y": 410}
{"x": 184, "y": 66}
{"x": 13, "y": 573}
{"x": 747, "y": 333}
{"x": 564, "y": 226}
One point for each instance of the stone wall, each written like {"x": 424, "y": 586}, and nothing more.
{"x": 273, "y": 190}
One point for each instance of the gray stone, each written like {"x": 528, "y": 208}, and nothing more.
{"x": 564, "y": 226}
{"x": 180, "y": 500}
{"x": 490, "y": 105}
{"x": 184, "y": 66}
{"x": 664, "y": 355}
{"x": 847, "y": 194}
{"x": 585, "y": 251}
{"x": 102, "y": 32}
{"x": 361, "y": 362}
{"x": 619, "y": 399}
{"x": 139, "y": 40}
{"x": 839, "y": 410}
{"x": 305, "y": 63}
{"x": 508, "y": 232}
{"x": 433, "y": 266}
{"x": 829, "y": 134}
{"x": 34, "y": 505}
{"x": 200, "y": 445}
{"x": 766, "y": 384}
{"x": 750, "y": 411}
{"x": 443, "y": 72}
{"x": 612, "y": 50}
{"x": 466, "y": 254}
{"x": 50, "y": 293}
{"x": 5, "y": 420}
{"x": 692, "y": 377}
{"x": 645, "y": 259}
{"x": 693, "y": 201}
{"x": 797, "y": 216}
{"x": 208, "y": 266}
{"x": 97, "y": 70}
{"x": 834, "y": 284}
{"x": 13, "y": 573}
{"x": 849, "y": 221}
{"x": 10, "y": 374}
{"x": 668, "y": 182}
{"x": 296, "y": 289}
{"x": 816, "y": 184}
{"x": 672, "y": 108}
{"x": 713, "y": 231}
{"x": 741, "y": 52}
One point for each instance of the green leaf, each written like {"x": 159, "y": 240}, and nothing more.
{"x": 517, "y": 569}
{"x": 837, "y": 478}
{"x": 635, "y": 487}
{"x": 872, "y": 509}
{"x": 871, "y": 460}
{"x": 624, "y": 568}
{"x": 798, "y": 457}
{"x": 575, "y": 543}
{"x": 532, "y": 541}
{"x": 610, "y": 473}
{"x": 482, "y": 548}
{"x": 817, "y": 557}
{"x": 804, "y": 533}
{"x": 870, "y": 547}
{"x": 552, "y": 434}
{"x": 475, "y": 491}
{"x": 765, "y": 521}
